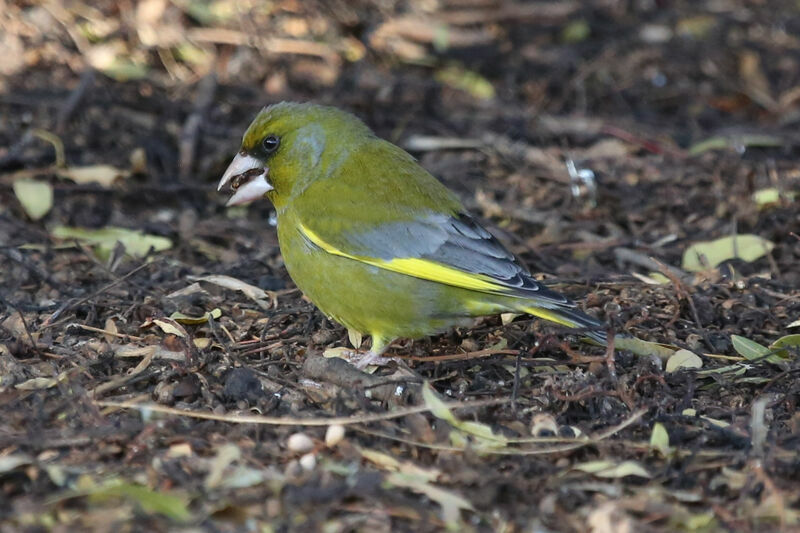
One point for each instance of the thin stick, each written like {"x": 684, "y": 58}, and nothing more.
{"x": 459, "y": 356}
{"x": 294, "y": 421}
{"x": 573, "y": 444}
{"x": 191, "y": 128}
{"x": 74, "y": 99}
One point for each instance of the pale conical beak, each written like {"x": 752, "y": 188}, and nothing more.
{"x": 247, "y": 176}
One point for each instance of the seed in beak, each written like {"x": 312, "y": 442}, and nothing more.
{"x": 244, "y": 177}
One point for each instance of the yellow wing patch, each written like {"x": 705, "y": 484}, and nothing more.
{"x": 418, "y": 268}
{"x": 550, "y": 315}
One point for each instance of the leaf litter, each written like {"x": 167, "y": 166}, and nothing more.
{"x": 162, "y": 358}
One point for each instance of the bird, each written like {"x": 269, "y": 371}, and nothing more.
{"x": 373, "y": 239}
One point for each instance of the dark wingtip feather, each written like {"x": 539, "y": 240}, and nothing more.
{"x": 589, "y": 326}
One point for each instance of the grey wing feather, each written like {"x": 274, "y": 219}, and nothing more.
{"x": 459, "y": 242}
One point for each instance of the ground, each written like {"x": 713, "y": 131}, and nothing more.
{"x": 599, "y": 140}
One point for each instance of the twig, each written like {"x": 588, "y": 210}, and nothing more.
{"x": 459, "y": 356}
{"x": 572, "y": 444}
{"x": 107, "y": 332}
{"x": 647, "y": 144}
{"x": 602, "y": 244}
{"x": 294, "y": 421}
{"x": 645, "y": 261}
{"x": 542, "y": 13}
{"x": 273, "y": 45}
{"x": 191, "y": 128}
{"x": 74, "y": 99}
{"x": 137, "y": 374}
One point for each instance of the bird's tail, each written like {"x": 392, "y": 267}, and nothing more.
{"x": 596, "y": 331}
{"x": 572, "y": 318}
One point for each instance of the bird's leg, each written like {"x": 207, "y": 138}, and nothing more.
{"x": 374, "y": 356}
{"x": 363, "y": 360}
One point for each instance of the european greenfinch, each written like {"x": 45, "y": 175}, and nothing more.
{"x": 372, "y": 238}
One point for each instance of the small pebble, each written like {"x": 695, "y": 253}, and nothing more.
{"x": 300, "y": 443}
{"x": 334, "y": 435}
{"x": 308, "y": 461}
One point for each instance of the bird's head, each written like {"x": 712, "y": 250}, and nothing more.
{"x": 287, "y": 147}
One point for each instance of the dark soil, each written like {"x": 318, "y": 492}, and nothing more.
{"x": 627, "y": 91}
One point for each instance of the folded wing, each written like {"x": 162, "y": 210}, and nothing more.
{"x": 455, "y": 250}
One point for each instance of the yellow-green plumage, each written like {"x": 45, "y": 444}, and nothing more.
{"x": 374, "y": 240}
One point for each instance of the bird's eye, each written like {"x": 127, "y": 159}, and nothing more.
{"x": 270, "y": 143}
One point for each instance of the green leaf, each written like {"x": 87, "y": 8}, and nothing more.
{"x": 210, "y": 13}
{"x": 150, "y": 501}
{"x": 751, "y": 350}
{"x": 436, "y": 405}
{"x": 610, "y": 469}
{"x": 693, "y": 412}
{"x": 450, "y": 502}
{"x": 36, "y": 197}
{"x": 482, "y": 433}
{"x": 190, "y": 53}
{"x": 123, "y": 69}
{"x": 771, "y": 196}
{"x": 136, "y": 243}
{"x": 787, "y": 346}
{"x": 179, "y": 317}
{"x": 659, "y": 278}
{"x": 696, "y": 26}
{"x": 708, "y": 254}
{"x": 502, "y": 344}
{"x": 659, "y": 438}
{"x": 576, "y": 31}
{"x": 380, "y": 459}
{"x": 735, "y": 370}
{"x": 755, "y": 380}
{"x": 735, "y": 142}
{"x": 700, "y": 522}
{"x": 643, "y": 348}
{"x": 683, "y": 359}
{"x": 458, "y": 77}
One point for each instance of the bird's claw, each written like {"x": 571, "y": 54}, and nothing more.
{"x": 362, "y": 360}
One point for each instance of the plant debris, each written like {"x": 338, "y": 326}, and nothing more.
{"x": 159, "y": 367}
